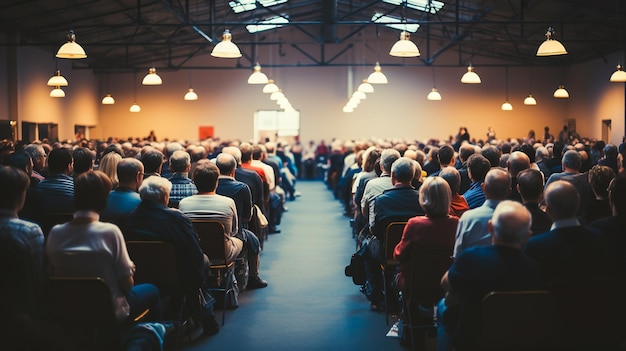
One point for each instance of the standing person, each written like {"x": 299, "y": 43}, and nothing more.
{"x": 296, "y": 149}
{"x": 491, "y": 134}
{"x": 104, "y": 240}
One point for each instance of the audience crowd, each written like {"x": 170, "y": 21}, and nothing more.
{"x": 515, "y": 214}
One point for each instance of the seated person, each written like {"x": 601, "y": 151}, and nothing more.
{"x": 397, "y": 204}
{"x": 87, "y": 234}
{"x": 21, "y": 244}
{"x": 154, "y": 221}
{"x": 124, "y": 199}
{"x": 207, "y": 204}
{"x": 482, "y": 269}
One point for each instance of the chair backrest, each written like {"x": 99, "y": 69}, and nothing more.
{"x": 428, "y": 265}
{"x": 517, "y": 320}
{"x": 211, "y": 234}
{"x": 155, "y": 262}
{"x": 19, "y": 278}
{"x": 82, "y": 300}
{"x": 393, "y": 235}
{"x": 49, "y": 220}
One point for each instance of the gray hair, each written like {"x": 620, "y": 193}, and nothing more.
{"x": 453, "y": 177}
{"x": 403, "y": 169}
{"x": 179, "y": 161}
{"x": 387, "y": 158}
{"x": 155, "y": 189}
{"x": 511, "y": 222}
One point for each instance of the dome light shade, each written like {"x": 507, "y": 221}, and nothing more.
{"x": 57, "y": 80}
{"x": 135, "y": 108}
{"x": 71, "y": 49}
{"x": 270, "y": 87}
{"x": 506, "y": 106}
{"x": 619, "y": 76}
{"x": 551, "y": 47}
{"x": 530, "y": 100}
{"x": 359, "y": 95}
{"x": 348, "y": 109}
{"x": 377, "y": 77}
{"x": 470, "y": 77}
{"x": 108, "y": 100}
{"x": 257, "y": 77}
{"x": 404, "y": 47}
{"x": 366, "y": 87}
{"x": 277, "y": 95}
{"x": 226, "y": 48}
{"x": 191, "y": 95}
{"x": 57, "y": 92}
{"x": 561, "y": 93}
{"x": 434, "y": 95}
{"x": 152, "y": 78}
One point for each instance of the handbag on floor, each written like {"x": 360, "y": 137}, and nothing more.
{"x": 356, "y": 268}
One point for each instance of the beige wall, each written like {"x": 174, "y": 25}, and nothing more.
{"x": 396, "y": 110}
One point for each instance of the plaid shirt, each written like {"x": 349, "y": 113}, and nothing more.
{"x": 182, "y": 187}
{"x": 26, "y": 235}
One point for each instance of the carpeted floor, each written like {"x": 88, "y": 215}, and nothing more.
{"x": 309, "y": 304}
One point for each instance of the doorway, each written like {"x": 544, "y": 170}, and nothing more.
{"x": 272, "y": 125}
{"x": 606, "y": 130}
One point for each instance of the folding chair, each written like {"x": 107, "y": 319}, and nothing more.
{"x": 212, "y": 242}
{"x": 423, "y": 289}
{"x": 84, "y": 305}
{"x": 392, "y": 238}
{"x": 518, "y": 320}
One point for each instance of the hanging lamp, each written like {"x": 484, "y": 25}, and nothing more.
{"x": 551, "y": 47}
{"x": 366, "y": 87}
{"x": 71, "y": 49}
{"x": 404, "y": 47}
{"x": 257, "y": 77}
{"x": 561, "y": 93}
{"x": 434, "y": 94}
{"x": 619, "y": 76}
{"x": 377, "y": 77}
{"x": 57, "y": 80}
{"x": 57, "y": 92}
{"x": 108, "y": 100}
{"x": 270, "y": 87}
{"x": 506, "y": 106}
{"x": 152, "y": 78}
{"x": 226, "y": 48}
{"x": 470, "y": 77}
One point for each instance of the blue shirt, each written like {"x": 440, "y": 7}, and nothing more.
{"x": 474, "y": 196}
{"x": 472, "y": 229}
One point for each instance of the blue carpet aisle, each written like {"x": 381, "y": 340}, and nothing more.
{"x": 309, "y": 304}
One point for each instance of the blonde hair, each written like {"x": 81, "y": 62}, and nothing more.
{"x": 435, "y": 197}
{"x": 108, "y": 165}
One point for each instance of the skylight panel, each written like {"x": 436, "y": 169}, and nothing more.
{"x": 395, "y": 23}
{"x": 270, "y": 23}
{"x": 431, "y": 6}
{"x": 239, "y": 6}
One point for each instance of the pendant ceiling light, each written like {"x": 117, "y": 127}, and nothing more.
{"x": 359, "y": 95}
{"x": 434, "y": 94}
{"x": 270, "y": 87}
{"x": 619, "y": 76}
{"x": 135, "y": 108}
{"x": 191, "y": 95}
{"x": 226, "y": 48}
{"x": 377, "y": 77}
{"x": 57, "y": 80}
{"x": 348, "y": 109}
{"x": 404, "y": 47}
{"x": 277, "y": 95}
{"x": 561, "y": 93}
{"x": 57, "y": 92}
{"x": 152, "y": 78}
{"x": 470, "y": 77}
{"x": 530, "y": 100}
{"x": 366, "y": 87}
{"x": 551, "y": 47}
{"x": 108, "y": 100}
{"x": 257, "y": 77}
{"x": 71, "y": 49}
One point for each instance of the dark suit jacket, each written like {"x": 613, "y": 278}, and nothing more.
{"x": 395, "y": 204}
{"x": 152, "y": 221}
{"x": 569, "y": 254}
{"x": 541, "y": 222}
{"x": 254, "y": 182}
{"x": 240, "y": 193}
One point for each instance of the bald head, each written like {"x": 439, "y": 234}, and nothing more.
{"x": 497, "y": 184}
{"x": 562, "y": 200}
{"x": 234, "y": 151}
{"x": 510, "y": 224}
{"x": 130, "y": 173}
{"x": 226, "y": 164}
{"x": 518, "y": 161}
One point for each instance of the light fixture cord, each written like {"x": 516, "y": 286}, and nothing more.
{"x": 506, "y": 81}
{"x": 434, "y": 82}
